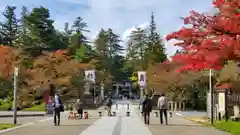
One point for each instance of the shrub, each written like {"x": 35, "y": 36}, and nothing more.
{"x": 6, "y": 106}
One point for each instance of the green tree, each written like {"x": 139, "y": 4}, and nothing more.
{"x": 67, "y": 33}
{"x": 24, "y": 39}
{"x": 101, "y": 43}
{"x": 131, "y": 56}
{"x": 138, "y": 40}
{"x": 114, "y": 47}
{"x": 101, "y": 48}
{"x": 41, "y": 30}
{"x": 78, "y": 38}
{"x": 9, "y": 28}
{"x": 155, "y": 52}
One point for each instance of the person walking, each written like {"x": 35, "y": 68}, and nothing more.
{"x": 58, "y": 107}
{"x": 146, "y": 109}
{"x": 109, "y": 106}
{"x": 163, "y": 106}
{"x": 79, "y": 108}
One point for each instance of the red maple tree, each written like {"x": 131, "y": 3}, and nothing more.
{"x": 6, "y": 62}
{"x": 209, "y": 41}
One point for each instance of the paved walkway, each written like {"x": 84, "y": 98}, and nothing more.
{"x": 119, "y": 125}
{"x": 179, "y": 126}
{"x": 45, "y": 126}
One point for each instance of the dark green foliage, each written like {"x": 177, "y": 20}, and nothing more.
{"x": 9, "y": 28}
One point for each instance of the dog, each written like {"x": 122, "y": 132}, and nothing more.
{"x": 73, "y": 115}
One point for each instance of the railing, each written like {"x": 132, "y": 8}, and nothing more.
{"x": 233, "y": 100}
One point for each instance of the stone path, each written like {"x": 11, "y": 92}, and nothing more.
{"x": 45, "y": 126}
{"x": 179, "y": 126}
{"x": 119, "y": 125}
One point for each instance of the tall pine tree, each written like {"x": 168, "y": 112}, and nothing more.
{"x": 101, "y": 49}
{"x": 24, "y": 41}
{"x": 155, "y": 52}
{"x": 78, "y": 38}
{"x": 114, "y": 46}
{"x": 101, "y": 43}
{"x": 138, "y": 40}
{"x": 9, "y": 28}
{"x": 41, "y": 30}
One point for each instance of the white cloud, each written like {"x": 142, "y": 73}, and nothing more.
{"x": 127, "y": 32}
{"x": 74, "y": 1}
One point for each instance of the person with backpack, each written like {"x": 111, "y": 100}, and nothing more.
{"x": 146, "y": 109}
{"x": 109, "y": 106}
{"x": 58, "y": 107}
{"x": 163, "y": 106}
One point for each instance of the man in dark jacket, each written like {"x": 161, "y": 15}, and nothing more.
{"x": 146, "y": 109}
{"x": 58, "y": 107}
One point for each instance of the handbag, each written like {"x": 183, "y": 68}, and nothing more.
{"x": 61, "y": 108}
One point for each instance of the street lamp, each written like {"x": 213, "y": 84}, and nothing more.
{"x": 15, "y": 95}
{"x": 211, "y": 94}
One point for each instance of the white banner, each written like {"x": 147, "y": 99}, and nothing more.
{"x": 221, "y": 101}
{"x": 90, "y": 75}
{"x": 142, "y": 78}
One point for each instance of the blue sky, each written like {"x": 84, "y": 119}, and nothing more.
{"x": 120, "y": 15}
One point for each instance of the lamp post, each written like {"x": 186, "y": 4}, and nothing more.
{"x": 15, "y": 96}
{"x": 211, "y": 94}
{"x": 102, "y": 90}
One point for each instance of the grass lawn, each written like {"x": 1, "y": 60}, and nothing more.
{"x": 201, "y": 120}
{"x": 230, "y": 126}
{"x": 40, "y": 107}
{"x": 5, "y": 126}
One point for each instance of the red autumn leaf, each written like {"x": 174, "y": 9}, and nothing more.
{"x": 211, "y": 40}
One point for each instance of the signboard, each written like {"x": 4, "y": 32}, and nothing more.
{"x": 142, "y": 78}
{"x": 221, "y": 102}
{"x": 90, "y": 75}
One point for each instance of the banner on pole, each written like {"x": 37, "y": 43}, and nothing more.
{"x": 142, "y": 78}
{"x": 90, "y": 75}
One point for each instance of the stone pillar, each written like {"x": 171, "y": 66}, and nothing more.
{"x": 172, "y": 107}
{"x": 175, "y": 106}
{"x": 102, "y": 91}
{"x": 141, "y": 92}
{"x": 117, "y": 90}
{"x": 102, "y": 94}
{"x": 180, "y": 105}
{"x": 184, "y": 104}
{"x": 236, "y": 111}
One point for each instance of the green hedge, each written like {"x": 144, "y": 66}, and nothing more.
{"x": 4, "y": 106}
{"x": 7, "y": 106}
{"x": 40, "y": 107}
